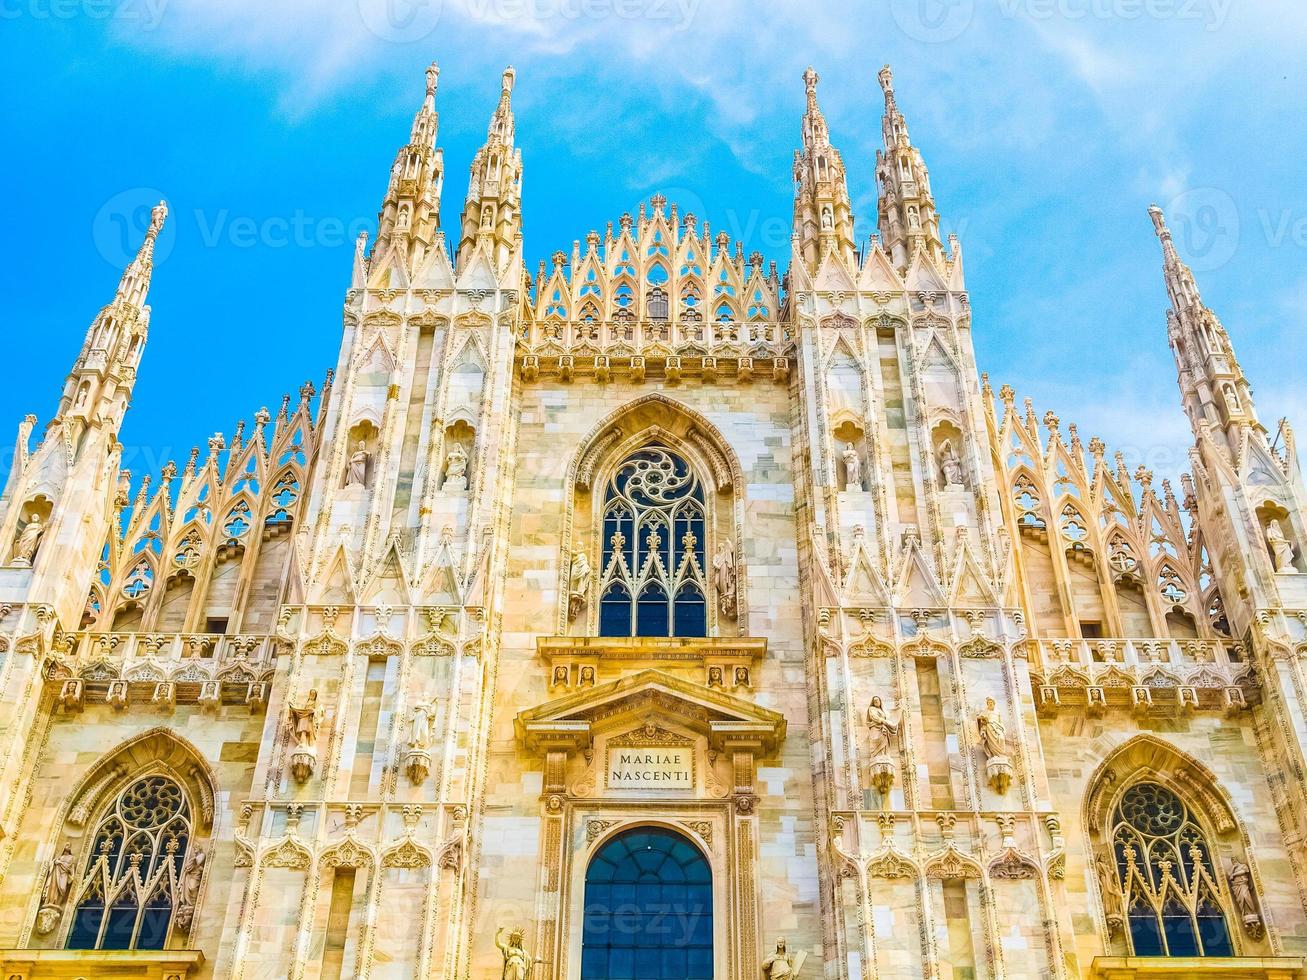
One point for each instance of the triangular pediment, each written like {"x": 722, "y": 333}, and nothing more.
{"x": 619, "y": 705}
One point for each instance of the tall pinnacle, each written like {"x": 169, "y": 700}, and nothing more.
{"x": 908, "y": 219}
{"x": 410, "y": 213}
{"x": 492, "y": 211}
{"x": 823, "y": 215}
{"x": 101, "y": 381}
{"x": 1215, "y": 393}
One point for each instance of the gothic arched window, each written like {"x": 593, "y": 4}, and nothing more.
{"x": 1169, "y": 890}
{"x": 653, "y": 581}
{"x": 129, "y": 887}
{"x": 657, "y": 303}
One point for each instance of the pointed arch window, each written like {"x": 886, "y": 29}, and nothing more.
{"x": 1169, "y": 888}
{"x": 130, "y": 885}
{"x": 657, "y": 303}
{"x": 654, "y": 530}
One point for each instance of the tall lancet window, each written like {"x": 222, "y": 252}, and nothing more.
{"x": 653, "y": 581}
{"x": 1168, "y": 882}
{"x": 129, "y": 887}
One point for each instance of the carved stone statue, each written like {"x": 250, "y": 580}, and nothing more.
{"x": 1281, "y": 549}
{"x": 456, "y": 468}
{"x": 305, "y": 721}
{"x": 724, "y": 578}
{"x": 715, "y": 678}
{"x": 1241, "y": 890}
{"x": 827, "y": 219}
{"x": 29, "y": 539}
{"x": 560, "y": 676}
{"x": 993, "y": 739}
{"x": 852, "y": 468}
{"x": 356, "y": 474}
{"x": 60, "y": 880}
{"x": 188, "y": 889}
{"x": 419, "y": 734}
{"x": 993, "y": 732}
{"x": 1113, "y": 900}
{"x": 950, "y": 465}
{"x": 517, "y": 965}
{"x": 780, "y": 965}
{"x": 883, "y": 729}
{"x": 579, "y": 575}
{"x": 58, "y": 884}
{"x": 587, "y": 677}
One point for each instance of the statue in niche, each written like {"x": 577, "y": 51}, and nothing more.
{"x": 914, "y": 218}
{"x": 305, "y": 721}
{"x": 883, "y": 729}
{"x": 780, "y": 965}
{"x": 419, "y": 734}
{"x": 993, "y": 732}
{"x": 1281, "y": 549}
{"x": 188, "y": 889}
{"x": 579, "y": 574}
{"x": 456, "y": 468}
{"x": 852, "y": 468}
{"x": 1231, "y": 399}
{"x": 950, "y": 465}
{"x": 356, "y": 474}
{"x": 58, "y": 885}
{"x": 29, "y": 539}
{"x": 517, "y": 965}
{"x": 1113, "y": 900}
{"x": 827, "y": 221}
{"x": 724, "y": 578}
{"x": 60, "y": 880}
{"x": 1241, "y": 890}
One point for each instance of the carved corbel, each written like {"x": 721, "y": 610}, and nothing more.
{"x": 1095, "y": 701}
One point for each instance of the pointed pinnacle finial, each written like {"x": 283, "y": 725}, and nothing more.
{"x": 506, "y": 83}
{"x": 810, "y": 79}
{"x": 887, "y": 80}
{"x": 1159, "y": 221}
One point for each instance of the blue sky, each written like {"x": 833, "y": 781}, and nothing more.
{"x": 1048, "y": 127}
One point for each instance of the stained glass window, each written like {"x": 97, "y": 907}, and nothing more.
{"x": 126, "y": 894}
{"x": 1168, "y": 882}
{"x": 653, "y": 580}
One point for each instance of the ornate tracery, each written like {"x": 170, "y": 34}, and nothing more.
{"x": 1170, "y": 893}
{"x": 654, "y": 528}
{"x": 132, "y": 884}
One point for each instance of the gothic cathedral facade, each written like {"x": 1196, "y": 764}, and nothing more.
{"x": 650, "y": 614}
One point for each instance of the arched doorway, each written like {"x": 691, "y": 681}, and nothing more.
{"x": 648, "y": 909}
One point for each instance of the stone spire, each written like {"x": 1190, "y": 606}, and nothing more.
{"x": 410, "y": 213}
{"x": 1213, "y": 387}
{"x": 492, "y": 212}
{"x": 101, "y": 381}
{"x": 823, "y": 216}
{"x": 908, "y": 219}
